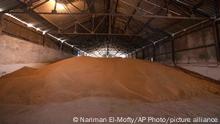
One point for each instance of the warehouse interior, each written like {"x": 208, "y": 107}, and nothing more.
{"x": 66, "y": 59}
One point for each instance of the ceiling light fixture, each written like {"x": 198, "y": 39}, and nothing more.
{"x": 1, "y": 10}
{"x": 44, "y": 32}
{"x": 62, "y": 41}
{"x": 30, "y": 25}
{"x": 38, "y": 29}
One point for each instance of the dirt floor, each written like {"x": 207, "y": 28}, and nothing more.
{"x": 95, "y": 87}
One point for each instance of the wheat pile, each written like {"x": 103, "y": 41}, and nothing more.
{"x": 81, "y": 77}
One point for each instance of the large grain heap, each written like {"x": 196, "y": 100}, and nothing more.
{"x": 81, "y": 77}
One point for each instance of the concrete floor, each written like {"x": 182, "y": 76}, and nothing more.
{"x": 63, "y": 113}
{"x": 212, "y": 71}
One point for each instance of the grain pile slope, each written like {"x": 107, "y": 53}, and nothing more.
{"x": 120, "y": 78}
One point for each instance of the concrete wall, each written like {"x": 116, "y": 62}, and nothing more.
{"x": 20, "y": 46}
{"x": 202, "y": 59}
{"x": 197, "y": 46}
{"x": 15, "y": 50}
{"x": 201, "y": 47}
{"x": 195, "y": 50}
{"x": 16, "y": 53}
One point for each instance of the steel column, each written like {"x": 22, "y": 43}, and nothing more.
{"x": 217, "y": 40}
{"x": 173, "y": 50}
{"x": 154, "y": 53}
{"x": 216, "y": 29}
{"x": 143, "y": 54}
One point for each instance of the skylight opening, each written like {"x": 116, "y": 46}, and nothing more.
{"x": 59, "y": 6}
{"x": 107, "y": 53}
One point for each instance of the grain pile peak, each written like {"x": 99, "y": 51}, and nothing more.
{"x": 80, "y": 77}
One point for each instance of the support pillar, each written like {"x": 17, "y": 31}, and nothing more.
{"x": 143, "y": 54}
{"x": 217, "y": 39}
{"x": 173, "y": 50}
{"x": 43, "y": 39}
{"x": 135, "y": 54}
{"x": 154, "y": 52}
{"x": 61, "y": 46}
{"x": 1, "y": 16}
{"x": 216, "y": 29}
